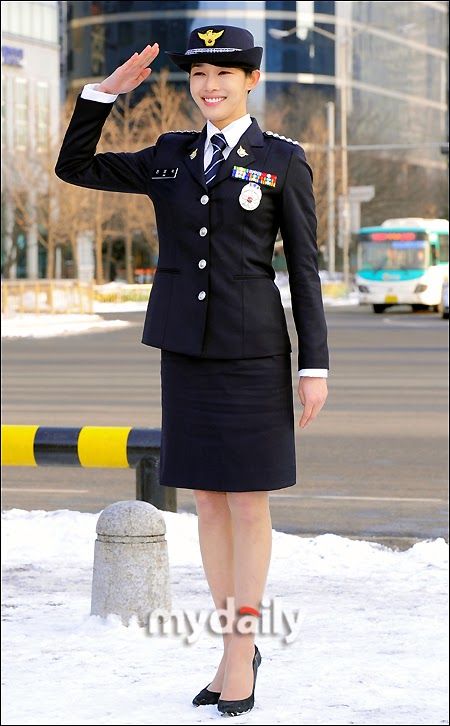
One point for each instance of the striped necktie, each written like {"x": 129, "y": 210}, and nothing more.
{"x": 218, "y": 142}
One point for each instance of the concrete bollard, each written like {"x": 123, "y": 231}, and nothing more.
{"x": 131, "y": 564}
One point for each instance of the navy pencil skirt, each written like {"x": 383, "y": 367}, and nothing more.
{"x": 227, "y": 424}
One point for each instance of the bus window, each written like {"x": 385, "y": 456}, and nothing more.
{"x": 443, "y": 246}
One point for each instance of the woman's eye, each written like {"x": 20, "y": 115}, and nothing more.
{"x": 199, "y": 73}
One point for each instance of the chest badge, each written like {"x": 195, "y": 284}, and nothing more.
{"x": 193, "y": 154}
{"x": 250, "y": 196}
{"x": 241, "y": 152}
{"x": 164, "y": 173}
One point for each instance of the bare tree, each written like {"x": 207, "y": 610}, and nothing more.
{"x": 131, "y": 128}
{"x": 35, "y": 197}
{"x": 19, "y": 213}
{"x": 405, "y": 185}
{"x": 302, "y": 117}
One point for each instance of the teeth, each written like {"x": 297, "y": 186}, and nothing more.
{"x": 212, "y": 100}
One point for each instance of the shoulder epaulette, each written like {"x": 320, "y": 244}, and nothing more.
{"x": 278, "y": 136}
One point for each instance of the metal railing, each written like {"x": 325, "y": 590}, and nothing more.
{"x": 47, "y": 296}
{"x": 104, "y": 447}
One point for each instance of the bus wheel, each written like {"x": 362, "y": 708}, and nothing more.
{"x": 417, "y": 307}
{"x": 379, "y": 308}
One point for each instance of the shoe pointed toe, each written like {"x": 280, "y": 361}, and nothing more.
{"x": 242, "y": 705}
{"x": 206, "y": 698}
{"x": 235, "y": 708}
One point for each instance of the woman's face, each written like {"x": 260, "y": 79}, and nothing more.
{"x": 221, "y": 93}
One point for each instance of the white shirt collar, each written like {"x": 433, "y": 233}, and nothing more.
{"x": 232, "y": 132}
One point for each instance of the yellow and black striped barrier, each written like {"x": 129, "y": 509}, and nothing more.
{"x": 105, "y": 447}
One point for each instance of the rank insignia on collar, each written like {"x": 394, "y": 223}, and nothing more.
{"x": 193, "y": 154}
{"x": 241, "y": 151}
{"x": 252, "y": 175}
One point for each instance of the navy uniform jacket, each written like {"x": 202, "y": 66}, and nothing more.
{"x": 213, "y": 292}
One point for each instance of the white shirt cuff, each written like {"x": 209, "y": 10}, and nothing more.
{"x": 90, "y": 93}
{"x": 314, "y": 372}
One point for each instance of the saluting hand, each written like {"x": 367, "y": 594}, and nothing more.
{"x": 313, "y": 393}
{"x": 132, "y": 73}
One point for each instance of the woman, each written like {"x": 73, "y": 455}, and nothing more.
{"x": 220, "y": 196}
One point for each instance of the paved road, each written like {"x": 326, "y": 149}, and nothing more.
{"x": 373, "y": 465}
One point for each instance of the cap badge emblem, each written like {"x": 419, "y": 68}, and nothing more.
{"x": 210, "y": 37}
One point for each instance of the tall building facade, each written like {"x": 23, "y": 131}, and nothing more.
{"x": 394, "y": 53}
{"x": 386, "y": 60}
{"x": 399, "y": 74}
{"x": 390, "y": 56}
{"x": 104, "y": 34}
{"x": 30, "y": 114}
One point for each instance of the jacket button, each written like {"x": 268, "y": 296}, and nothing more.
{"x": 203, "y": 232}
{"x": 201, "y": 295}
{"x": 202, "y": 264}
{"x": 204, "y": 199}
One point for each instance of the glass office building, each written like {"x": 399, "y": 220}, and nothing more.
{"x": 399, "y": 75}
{"x": 104, "y": 34}
{"x": 393, "y": 55}
{"x": 30, "y": 114}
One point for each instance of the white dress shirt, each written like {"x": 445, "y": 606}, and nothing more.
{"x": 232, "y": 133}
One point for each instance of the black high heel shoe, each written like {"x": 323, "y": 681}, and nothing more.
{"x": 242, "y": 705}
{"x": 206, "y": 698}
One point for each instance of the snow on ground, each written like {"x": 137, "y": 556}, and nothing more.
{"x": 45, "y": 325}
{"x": 351, "y": 299}
{"x": 371, "y": 647}
{"x": 31, "y": 325}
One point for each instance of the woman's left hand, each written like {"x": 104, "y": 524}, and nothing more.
{"x": 313, "y": 393}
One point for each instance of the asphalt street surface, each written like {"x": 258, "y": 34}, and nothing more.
{"x": 373, "y": 465}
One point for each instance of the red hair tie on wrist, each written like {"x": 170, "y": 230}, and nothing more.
{"x": 247, "y": 610}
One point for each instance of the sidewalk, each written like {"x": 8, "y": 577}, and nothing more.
{"x": 371, "y": 647}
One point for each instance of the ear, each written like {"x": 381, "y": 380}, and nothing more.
{"x": 254, "y": 79}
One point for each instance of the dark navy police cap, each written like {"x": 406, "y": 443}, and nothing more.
{"x": 219, "y": 45}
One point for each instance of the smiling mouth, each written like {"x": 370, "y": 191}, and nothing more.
{"x": 213, "y": 101}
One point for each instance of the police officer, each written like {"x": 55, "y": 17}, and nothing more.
{"x": 220, "y": 196}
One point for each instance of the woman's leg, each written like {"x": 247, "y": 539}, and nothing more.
{"x": 216, "y": 546}
{"x": 252, "y": 538}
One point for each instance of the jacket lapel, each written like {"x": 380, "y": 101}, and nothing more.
{"x": 250, "y": 139}
{"x": 194, "y": 158}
